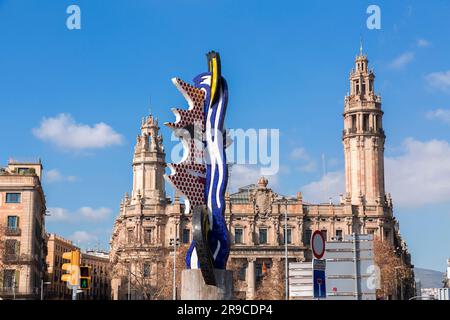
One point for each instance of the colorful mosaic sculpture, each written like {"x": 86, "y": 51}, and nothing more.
{"x": 202, "y": 175}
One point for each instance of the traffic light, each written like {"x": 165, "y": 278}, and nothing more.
{"x": 85, "y": 278}
{"x": 72, "y": 277}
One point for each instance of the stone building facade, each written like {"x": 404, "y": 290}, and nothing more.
{"x": 56, "y": 247}
{"x": 256, "y": 215}
{"x": 100, "y": 270}
{"x": 22, "y": 222}
{"x": 100, "y": 275}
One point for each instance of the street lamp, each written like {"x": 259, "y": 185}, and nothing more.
{"x": 129, "y": 280}
{"x": 286, "y": 277}
{"x": 174, "y": 242}
{"x": 42, "y": 287}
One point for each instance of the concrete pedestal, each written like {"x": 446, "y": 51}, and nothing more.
{"x": 193, "y": 286}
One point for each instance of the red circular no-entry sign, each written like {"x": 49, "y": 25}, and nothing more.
{"x": 318, "y": 244}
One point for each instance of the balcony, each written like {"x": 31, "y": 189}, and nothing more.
{"x": 10, "y": 293}
{"x": 13, "y": 232}
{"x": 14, "y": 258}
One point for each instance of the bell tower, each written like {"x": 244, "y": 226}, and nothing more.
{"x": 149, "y": 164}
{"x": 363, "y": 138}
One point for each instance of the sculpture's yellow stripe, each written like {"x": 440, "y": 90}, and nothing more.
{"x": 214, "y": 78}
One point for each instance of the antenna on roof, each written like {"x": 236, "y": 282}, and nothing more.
{"x": 360, "y": 45}
{"x": 325, "y": 178}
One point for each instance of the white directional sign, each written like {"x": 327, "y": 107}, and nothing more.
{"x": 300, "y": 280}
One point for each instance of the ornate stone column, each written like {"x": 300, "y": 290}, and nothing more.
{"x": 251, "y": 279}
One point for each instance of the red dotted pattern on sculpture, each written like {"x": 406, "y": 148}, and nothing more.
{"x": 189, "y": 177}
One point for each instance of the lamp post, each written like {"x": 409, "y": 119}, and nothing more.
{"x": 129, "y": 281}
{"x": 42, "y": 287}
{"x": 286, "y": 270}
{"x": 175, "y": 242}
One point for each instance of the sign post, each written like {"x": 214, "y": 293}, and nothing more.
{"x": 319, "y": 287}
{"x": 319, "y": 265}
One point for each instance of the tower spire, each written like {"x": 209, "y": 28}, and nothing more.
{"x": 363, "y": 137}
{"x": 149, "y": 163}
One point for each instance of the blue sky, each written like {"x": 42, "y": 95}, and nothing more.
{"x": 287, "y": 66}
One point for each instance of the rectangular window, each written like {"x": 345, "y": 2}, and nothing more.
{"x": 242, "y": 272}
{"x": 23, "y": 170}
{"x": 258, "y": 269}
{"x": 13, "y": 198}
{"x": 353, "y": 122}
{"x": 186, "y": 236}
{"x": 12, "y": 247}
{"x": 338, "y": 235}
{"x": 13, "y": 222}
{"x": 287, "y": 237}
{"x": 147, "y": 236}
{"x": 263, "y": 236}
{"x": 364, "y": 87}
{"x": 307, "y": 237}
{"x": 366, "y": 122}
{"x": 238, "y": 236}
{"x": 8, "y": 278}
{"x": 147, "y": 270}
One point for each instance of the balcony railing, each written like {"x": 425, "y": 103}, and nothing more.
{"x": 13, "y": 258}
{"x": 13, "y": 232}
{"x": 10, "y": 292}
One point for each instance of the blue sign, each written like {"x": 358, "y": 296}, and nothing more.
{"x": 319, "y": 284}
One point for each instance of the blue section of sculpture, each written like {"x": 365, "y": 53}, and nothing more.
{"x": 216, "y": 173}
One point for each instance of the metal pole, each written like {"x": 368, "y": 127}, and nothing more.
{"x": 42, "y": 289}
{"x": 14, "y": 287}
{"x": 129, "y": 282}
{"x": 355, "y": 256}
{"x": 174, "y": 288}
{"x": 286, "y": 251}
{"x": 74, "y": 292}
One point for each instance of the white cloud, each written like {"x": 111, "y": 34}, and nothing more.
{"x": 308, "y": 167}
{"x": 439, "y": 80}
{"x": 299, "y": 154}
{"x": 63, "y": 215}
{"x": 95, "y": 214}
{"x": 243, "y": 175}
{"x": 421, "y": 175}
{"x": 439, "y": 114}
{"x": 402, "y": 60}
{"x": 330, "y": 185}
{"x": 65, "y": 133}
{"x": 83, "y": 237}
{"x": 422, "y": 43}
{"x": 54, "y": 175}
{"x": 307, "y": 164}
{"x": 58, "y": 215}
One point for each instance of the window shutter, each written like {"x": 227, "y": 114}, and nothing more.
{"x": 17, "y": 248}
{"x": 17, "y": 278}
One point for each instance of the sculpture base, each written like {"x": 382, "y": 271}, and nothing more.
{"x": 193, "y": 287}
